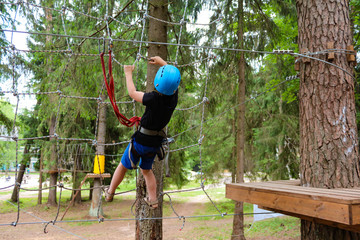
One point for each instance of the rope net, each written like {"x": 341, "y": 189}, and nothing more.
{"x": 70, "y": 149}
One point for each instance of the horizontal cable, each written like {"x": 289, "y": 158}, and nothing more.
{"x": 205, "y": 100}
{"x": 184, "y": 190}
{"x": 7, "y": 187}
{"x": 182, "y": 22}
{"x": 183, "y": 148}
{"x": 326, "y": 62}
{"x": 42, "y": 222}
{"x": 148, "y": 42}
{"x": 141, "y": 219}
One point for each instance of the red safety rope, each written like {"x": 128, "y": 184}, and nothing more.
{"x": 110, "y": 90}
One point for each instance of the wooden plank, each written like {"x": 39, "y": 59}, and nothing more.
{"x": 300, "y": 192}
{"x": 330, "y": 55}
{"x": 352, "y": 228}
{"x": 352, "y": 193}
{"x": 295, "y": 182}
{"x": 94, "y": 175}
{"x": 355, "y": 214}
{"x": 330, "y": 211}
{"x": 351, "y": 57}
{"x": 297, "y": 64}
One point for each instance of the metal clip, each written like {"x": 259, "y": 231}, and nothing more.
{"x": 206, "y": 100}
{"x": 201, "y": 139}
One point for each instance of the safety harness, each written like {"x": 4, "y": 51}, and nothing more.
{"x": 160, "y": 153}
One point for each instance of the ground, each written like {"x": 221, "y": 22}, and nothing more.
{"x": 194, "y": 228}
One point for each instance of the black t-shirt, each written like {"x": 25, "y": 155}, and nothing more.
{"x": 158, "y": 112}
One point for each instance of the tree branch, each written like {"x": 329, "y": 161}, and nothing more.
{"x": 110, "y": 21}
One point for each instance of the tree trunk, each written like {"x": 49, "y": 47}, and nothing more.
{"x": 77, "y": 174}
{"x": 328, "y": 131}
{"x": 53, "y": 165}
{"x": 95, "y": 208}
{"x": 152, "y": 229}
{"x": 14, "y": 196}
{"x": 238, "y": 221}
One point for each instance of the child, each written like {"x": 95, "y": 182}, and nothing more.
{"x": 147, "y": 140}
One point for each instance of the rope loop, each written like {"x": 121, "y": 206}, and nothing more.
{"x": 94, "y": 143}
{"x": 13, "y": 224}
{"x": 183, "y": 224}
{"x": 46, "y": 225}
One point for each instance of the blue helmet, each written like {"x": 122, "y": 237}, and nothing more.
{"x": 167, "y": 80}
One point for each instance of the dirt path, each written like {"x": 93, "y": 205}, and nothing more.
{"x": 111, "y": 230}
{"x": 194, "y": 228}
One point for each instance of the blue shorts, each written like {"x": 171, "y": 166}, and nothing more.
{"x": 146, "y": 161}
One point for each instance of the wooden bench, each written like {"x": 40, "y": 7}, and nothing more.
{"x": 334, "y": 207}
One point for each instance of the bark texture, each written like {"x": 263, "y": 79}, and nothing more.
{"x": 53, "y": 164}
{"x": 157, "y": 32}
{"x": 328, "y": 132}
{"x": 96, "y": 207}
{"x": 238, "y": 220}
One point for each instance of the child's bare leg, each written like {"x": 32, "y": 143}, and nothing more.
{"x": 117, "y": 178}
{"x": 150, "y": 184}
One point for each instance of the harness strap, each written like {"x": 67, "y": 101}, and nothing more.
{"x": 137, "y": 155}
{"x": 152, "y": 132}
{"x": 134, "y": 152}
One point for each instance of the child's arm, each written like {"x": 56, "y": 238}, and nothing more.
{"x": 136, "y": 95}
{"x": 157, "y": 60}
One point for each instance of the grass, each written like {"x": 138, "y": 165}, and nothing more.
{"x": 6, "y": 207}
{"x": 212, "y": 227}
{"x": 276, "y": 227}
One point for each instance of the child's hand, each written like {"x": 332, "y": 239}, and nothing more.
{"x": 129, "y": 69}
{"x": 157, "y": 60}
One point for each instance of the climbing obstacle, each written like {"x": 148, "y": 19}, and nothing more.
{"x": 334, "y": 207}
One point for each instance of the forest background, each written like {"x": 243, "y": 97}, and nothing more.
{"x": 272, "y": 117}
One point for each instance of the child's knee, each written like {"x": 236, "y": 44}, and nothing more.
{"x": 145, "y": 171}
